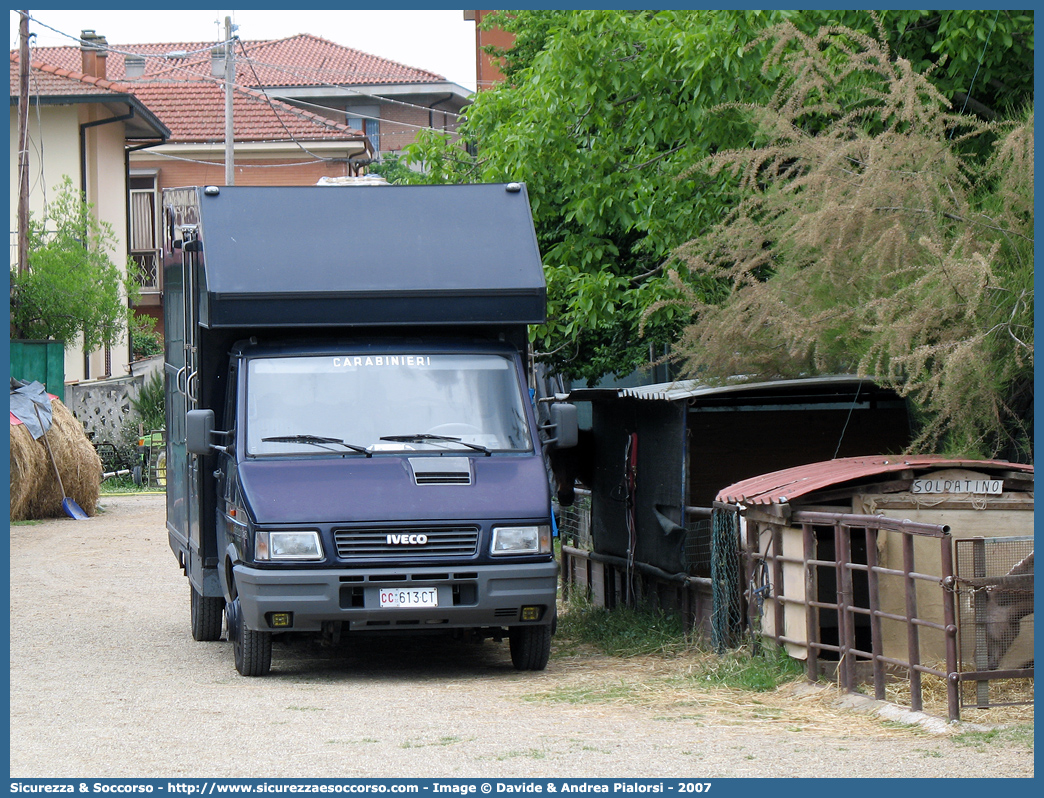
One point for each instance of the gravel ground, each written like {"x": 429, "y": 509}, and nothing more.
{"x": 106, "y": 681}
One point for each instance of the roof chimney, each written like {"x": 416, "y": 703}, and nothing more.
{"x": 217, "y": 62}
{"x": 94, "y": 50}
{"x": 133, "y": 65}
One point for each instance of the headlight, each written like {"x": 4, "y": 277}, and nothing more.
{"x": 296, "y": 545}
{"x": 521, "y": 540}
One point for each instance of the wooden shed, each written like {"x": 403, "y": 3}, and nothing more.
{"x": 654, "y": 457}
{"x": 660, "y": 453}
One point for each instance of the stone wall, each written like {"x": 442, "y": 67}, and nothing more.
{"x": 104, "y": 406}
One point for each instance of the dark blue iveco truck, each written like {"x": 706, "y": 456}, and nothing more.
{"x": 352, "y": 444}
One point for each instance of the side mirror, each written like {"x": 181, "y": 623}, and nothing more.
{"x": 565, "y": 426}
{"x": 199, "y": 424}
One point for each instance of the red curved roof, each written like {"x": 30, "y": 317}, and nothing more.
{"x": 780, "y": 487}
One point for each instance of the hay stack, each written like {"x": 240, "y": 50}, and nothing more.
{"x": 27, "y": 470}
{"x": 35, "y": 492}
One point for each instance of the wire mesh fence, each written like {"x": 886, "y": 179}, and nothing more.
{"x": 574, "y": 521}
{"x": 698, "y": 540}
{"x": 727, "y": 620}
{"x": 574, "y": 529}
{"x": 995, "y": 619}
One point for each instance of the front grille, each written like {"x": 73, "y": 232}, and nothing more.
{"x": 406, "y": 543}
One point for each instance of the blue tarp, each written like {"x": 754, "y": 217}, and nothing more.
{"x": 31, "y": 405}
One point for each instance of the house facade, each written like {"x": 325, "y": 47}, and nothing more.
{"x": 303, "y": 108}
{"x": 85, "y": 128}
{"x": 487, "y": 67}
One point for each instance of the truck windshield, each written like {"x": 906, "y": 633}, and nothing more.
{"x": 385, "y": 403}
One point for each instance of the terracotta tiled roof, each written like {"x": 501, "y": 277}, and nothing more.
{"x": 55, "y": 85}
{"x": 301, "y": 60}
{"x": 779, "y": 487}
{"x": 306, "y": 60}
{"x": 190, "y": 101}
{"x": 195, "y": 113}
{"x": 47, "y": 80}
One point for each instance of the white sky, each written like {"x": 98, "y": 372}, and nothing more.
{"x": 438, "y": 41}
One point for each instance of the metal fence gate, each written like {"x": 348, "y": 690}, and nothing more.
{"x": 968, "y": 602}
{"x": 836, "y": 584}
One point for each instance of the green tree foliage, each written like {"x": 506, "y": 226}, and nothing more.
{"x": 872, "y": 238}
{"x": 603, "y": 111}
{"x": 149, "y": 404}
{"x": 391, "y": 168}
{"x": 145, "y": 341}
{"x": 981, "y": 61}
{"x": 72, "y": 288}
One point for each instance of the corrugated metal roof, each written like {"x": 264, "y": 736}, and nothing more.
{"x": 780, "y": 487}
{"x": 691, "y": 389}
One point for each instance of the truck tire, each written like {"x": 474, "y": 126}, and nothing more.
{"x": 252, "y": 650}
{"x": 207, "y": 615}
{"x": 530, "y": 647}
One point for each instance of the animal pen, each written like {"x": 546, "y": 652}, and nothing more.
{"x": 893, "y": 568}
{"x": 651, "y": 460}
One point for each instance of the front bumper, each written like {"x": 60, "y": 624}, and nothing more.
{"x": 472, "y": 596}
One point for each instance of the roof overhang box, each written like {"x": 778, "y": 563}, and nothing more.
{"x": 368, "y": 256}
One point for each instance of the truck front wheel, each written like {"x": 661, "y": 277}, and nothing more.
{"x": 253, "y": 650}
{"x": 530, "y": 647}
{"x": 206, "y": 614}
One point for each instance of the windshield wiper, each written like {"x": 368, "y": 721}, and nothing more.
{"x": 424, "y": 436}
{"x": 317, "y": 440}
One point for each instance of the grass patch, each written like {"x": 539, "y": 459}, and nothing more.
{"x": 580, "y": 694}
{"x": 666, "y": 661}
{"x": 118, "y": 486}
{"x": 744, "y": 670}
{"x": 621, "y": 632}
{"x": 1020, "y": 735}
{"x": 448, "y": 740}
{"x": 532, "y": 753}
{"x": 634, "y": 632}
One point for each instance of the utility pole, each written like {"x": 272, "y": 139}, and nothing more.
{"x": 23, "y": 142}
{"x": 230, "y": 77}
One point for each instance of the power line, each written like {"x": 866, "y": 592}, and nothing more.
{"x": 276, "y": 113}
{"x": 109, "y": 49}
{"x": 192, "y": 73}
{"x": 296, "y": 72}
{"x": 982, "y": 56}
{"x": 239, "y": 165}
{"x": 348, "y": 89}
